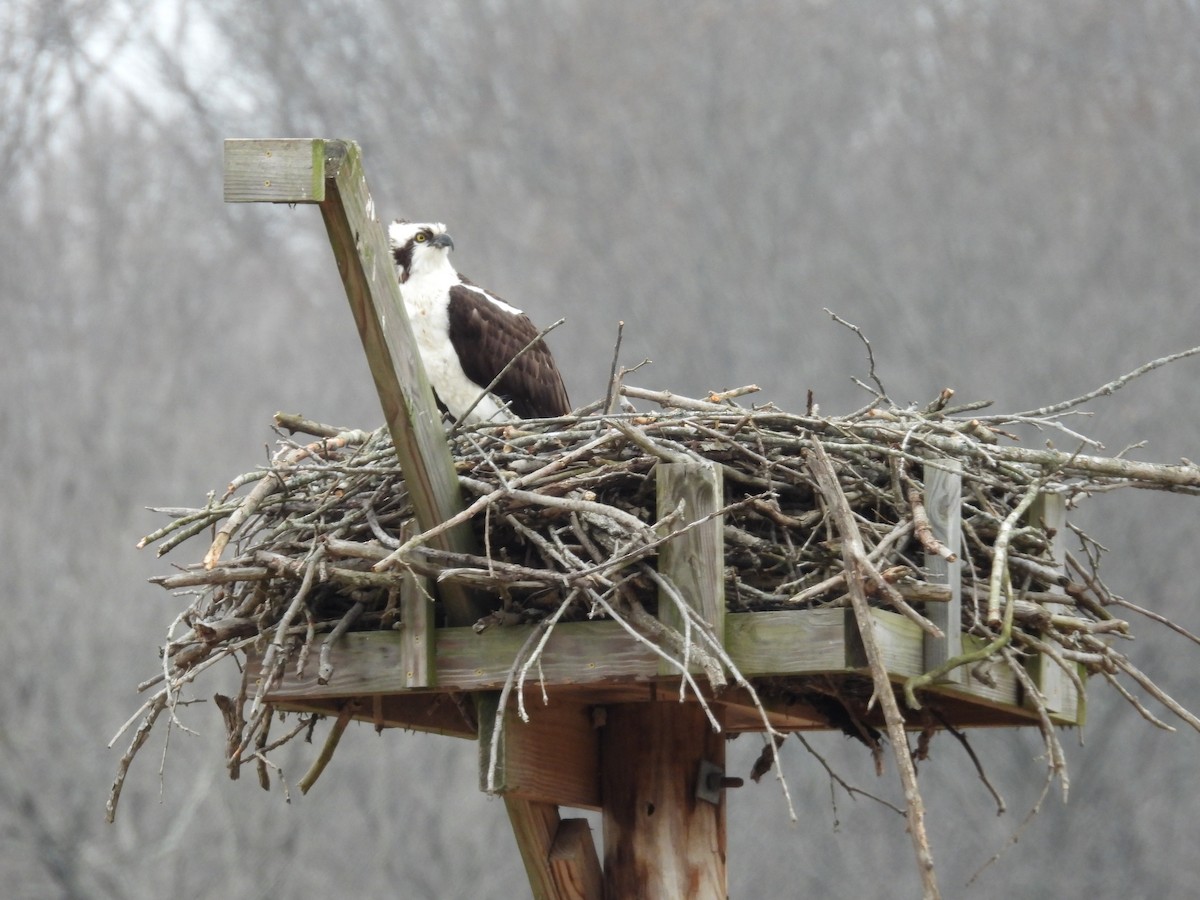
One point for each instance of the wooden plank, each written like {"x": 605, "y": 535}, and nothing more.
{"x": 429, "y": 713}
{"x": 788, "y": 640}
{"x": 275, "y": 170}
{"x": 576, "y": 653}
{"x": 741, "y": 715}
{"x": 661, "y": 842}
{"x": 1049, "y": 511}
{"x": 581, "y": 654}
{"x": 574, "y": 863}
{"x": 943, "y": 505}
{"x": 418, "y": 632}
{"x": 364, "y": 259}
{"x": 535, "y": 826}
{"x": 552, "y": 758}
{"x": 693, "y": 561}
{"x": 902, "y": 650}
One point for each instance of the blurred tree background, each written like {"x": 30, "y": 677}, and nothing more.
{"x": 1006, "y": 197}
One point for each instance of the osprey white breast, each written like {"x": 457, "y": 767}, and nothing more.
{"x": 466, "y": 335}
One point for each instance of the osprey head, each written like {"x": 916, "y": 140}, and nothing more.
{"x": 418, "y": 247}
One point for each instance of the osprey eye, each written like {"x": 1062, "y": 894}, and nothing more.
{"x": 421, "y": 237}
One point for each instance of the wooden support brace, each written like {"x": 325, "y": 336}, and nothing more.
{"x": 574, "y": 864}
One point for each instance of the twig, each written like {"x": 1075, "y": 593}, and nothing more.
{"x": 835, "y": 501}
{"x": 345, "y": 714}
{"x": 882, "y": 393}
{"x": 613, "y": 392}
{"x": 1106, "y": 389}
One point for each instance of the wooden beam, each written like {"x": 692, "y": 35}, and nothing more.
{"x": 943, "y": 505}
{"x": 661, "y": 842}
{"x": 583, "y": 655}
{"x": 536, "y": 825}
{"x": 286, "y": 170}
{"x": 574, "y": 864}
{"x": 552, "y": 758}
{"x": 364, "y": 260}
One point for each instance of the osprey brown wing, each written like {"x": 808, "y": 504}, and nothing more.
{"x": 486, "y": 336}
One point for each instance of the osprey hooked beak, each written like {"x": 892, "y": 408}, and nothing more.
{"x": 442, "y": 240}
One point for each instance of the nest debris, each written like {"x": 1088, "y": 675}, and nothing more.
{"x": 320, "y": 540}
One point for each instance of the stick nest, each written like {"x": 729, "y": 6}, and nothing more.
{"x": 320, "y": 540}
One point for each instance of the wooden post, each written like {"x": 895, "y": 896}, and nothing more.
{"x": 1049, "y": 511}
{"x": 693, "y": 561}
{"x": 661, "y": 840}
{"x": 943, "y": 505}
{"x": 418, "y": 632}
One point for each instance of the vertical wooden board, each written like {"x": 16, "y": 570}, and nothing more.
{"x": 661, "y": 842}
{"x": 418, "y": 635}
{"x": 943, "y": 504}
{"x": 787, "y": 641}
{"x": 364, "y": 260}
{"x": 694, "y": 561}
{"x": 552, "y": 758}
{"x": 574, "y": 863}
{"x": 1049, "y": 511}
{"x": 289, "y": 170}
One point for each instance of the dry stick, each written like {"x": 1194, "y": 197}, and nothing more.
{"x": 610, "y": 397}
{"x": 717, "y": 649}
{"x": 658, "y": 651}
{"x": 878, "y": 553}
{"x": 1155, "y": 617}
{"x": 1148, "y": 685}
{"x": 296, "y": 423}
{"x": 882, "y": 393}
{"x": 482, "y": 502}
{"x": 268, "y": 668}
{"x": 501, "y": 705}
{"x": 1056, "y": 760}
{"x": 852, "y": 554}
{"x": 325, "y": 667}
{"x": 499, "y": 375}
{"x": 835, "y": 778}
{"x": 536, "y": 656}
{"x": 1109, "y": 388}
{"x": 1000, "y": 552}
{"x": 157, "y": 705}
{"x": 923, "y": 529}
{"x": 959, "y": 736}
{"x": 331, "y": 741}
{"x": 271, "y": 483}
{"x": 1135, "y": 702}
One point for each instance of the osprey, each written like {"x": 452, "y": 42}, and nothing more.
{"x": 467, "y": 336}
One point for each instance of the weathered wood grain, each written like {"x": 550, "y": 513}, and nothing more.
{"x": 943, "y": 505}
{"x": 284, "y": 170}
